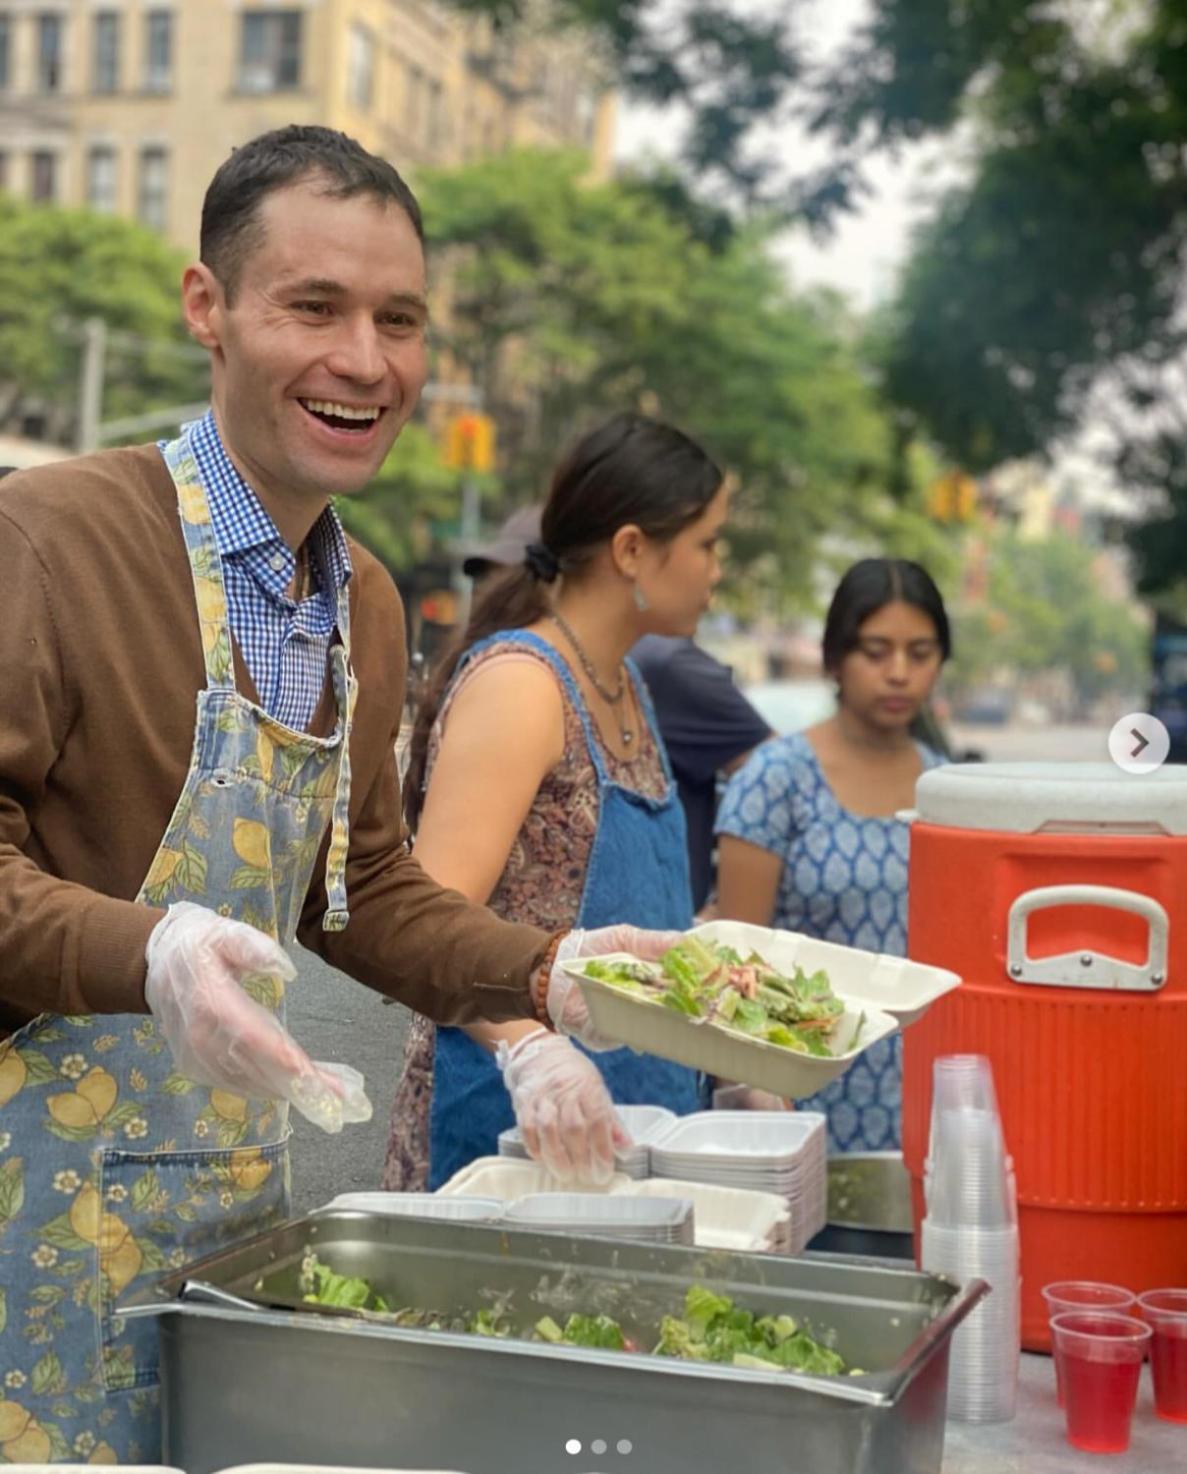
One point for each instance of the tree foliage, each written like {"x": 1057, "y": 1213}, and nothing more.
{"x": 572, "y": 301}
{"x": 1043, "y": 612}
{"x": 59, "y": 267}
{"x": 1046, "y": 293}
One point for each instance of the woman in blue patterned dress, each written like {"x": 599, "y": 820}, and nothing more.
{"x": 808, "y": 838}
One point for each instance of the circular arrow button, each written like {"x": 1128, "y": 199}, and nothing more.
{"x": 1139, "y": 743}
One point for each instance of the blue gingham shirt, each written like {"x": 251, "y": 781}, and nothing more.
{"x": 285, "y": 645}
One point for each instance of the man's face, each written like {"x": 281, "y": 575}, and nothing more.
{"x": 320, "y": 359}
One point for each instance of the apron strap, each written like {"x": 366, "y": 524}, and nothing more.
{"x": 346, "y": 688}
{"x": 206, "y": 564}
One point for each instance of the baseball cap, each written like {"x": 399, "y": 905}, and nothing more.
{"x": 508, "y": 544}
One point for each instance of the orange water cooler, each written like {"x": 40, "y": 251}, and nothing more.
{"x": 1059, "y": 893}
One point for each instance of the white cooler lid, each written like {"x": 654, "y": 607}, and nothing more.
{"x": 1054, "y": 798}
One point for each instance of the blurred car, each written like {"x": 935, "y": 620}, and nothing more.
{"x": 790, "y": 706}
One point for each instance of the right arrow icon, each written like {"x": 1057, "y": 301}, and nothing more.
{"x": 1142, "y": 743}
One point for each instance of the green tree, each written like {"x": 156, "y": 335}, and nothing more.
{"x": 570, "y": 301}
{"x": 1043, "y": 612}
{"x": 59, "y": 267}
{"x": 729, "y": 69}
{"x": 1047, "y": 290}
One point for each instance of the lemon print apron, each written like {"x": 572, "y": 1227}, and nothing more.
{"x": 113, "y": 1167}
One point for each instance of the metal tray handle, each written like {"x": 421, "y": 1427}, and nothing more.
{"x": 1088, "y": 969}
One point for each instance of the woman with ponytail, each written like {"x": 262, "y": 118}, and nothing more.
{"x": 538, "y": 784}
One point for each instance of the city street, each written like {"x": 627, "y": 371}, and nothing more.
{"x": 1018, "y": 744}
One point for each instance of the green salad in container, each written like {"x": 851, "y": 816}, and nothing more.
{"x": 712, "y": 1328}
{"x": 714, "y": 984}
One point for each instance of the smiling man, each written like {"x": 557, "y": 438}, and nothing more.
{"x": 202, "y": 679}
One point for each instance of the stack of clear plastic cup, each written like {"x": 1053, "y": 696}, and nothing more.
{"x": 971, "y": 1232}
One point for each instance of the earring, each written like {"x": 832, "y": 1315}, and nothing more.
{"x": 640, "y": 600}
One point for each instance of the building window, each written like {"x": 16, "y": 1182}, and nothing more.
{"x": 44, "y": 177}
{"x": 270, "y": 53}
{"x": 101, "y": 179}
{"x": 49, "y": 52}
{"x": 107, "y": 51}
{"x": 5, "y": 51}
{"x": 436, "y": 111}
{"x": 158, "y": 51}
{"x": 360, "y": 76}
{"x": 154, "y": 187}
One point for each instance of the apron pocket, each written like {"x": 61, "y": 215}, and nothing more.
{"x": 154, "y": 1212}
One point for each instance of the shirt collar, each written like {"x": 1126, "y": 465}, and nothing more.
{"x": 241, "y": 525}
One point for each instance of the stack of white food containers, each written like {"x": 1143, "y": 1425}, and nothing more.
{"x": 643, "y": 1124}
{"x": 971, "y": 1232}
{"x": 780, "y": 1152}
{"x": 723, "y": 1217}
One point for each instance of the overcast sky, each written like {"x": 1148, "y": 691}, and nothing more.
{"x": 863, "y": 253}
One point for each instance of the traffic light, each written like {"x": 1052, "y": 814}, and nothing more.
{"x": 953, "y": 498}
{"x": 439, "y": 607}
{"x": 470, "y": 443}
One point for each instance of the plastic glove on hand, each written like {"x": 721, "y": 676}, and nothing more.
{"x": 565, "y": 1003}
{"x": 219, "y": 1035}
{"x": 562, "y": 1106}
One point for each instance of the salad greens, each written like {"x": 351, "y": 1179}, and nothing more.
{"x": 714, "y": 984}
{"x": 712, "y": 1328}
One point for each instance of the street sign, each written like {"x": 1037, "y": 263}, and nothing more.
{"x": 470, "y": 442}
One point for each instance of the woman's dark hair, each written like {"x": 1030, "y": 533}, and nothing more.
{"x": 867, "y": 587}
{"x": 631, "y": 470}
{"x": 231, "y": 225}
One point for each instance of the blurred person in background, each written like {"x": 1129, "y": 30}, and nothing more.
{"x": 707, "y": 725}
{"x": 807, "y": 833}
{"x": 538, "y": 783}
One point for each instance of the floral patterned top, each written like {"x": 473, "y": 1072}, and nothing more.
{"x": 541, "y": 884}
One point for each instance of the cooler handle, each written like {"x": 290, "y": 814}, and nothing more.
{"x": 1087, "y": 969}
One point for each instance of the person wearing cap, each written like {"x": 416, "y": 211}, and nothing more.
{"x": 708, "y": 727}
{"x": 539, "y": 785}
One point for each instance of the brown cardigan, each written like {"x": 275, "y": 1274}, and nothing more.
{"x": 100, "y": 664}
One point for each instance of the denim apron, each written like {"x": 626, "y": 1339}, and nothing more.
{"x": 114, "y": 1167}
{"x": 637, "y": 873}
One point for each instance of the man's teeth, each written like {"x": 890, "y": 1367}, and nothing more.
{"x": 342, "y": 411}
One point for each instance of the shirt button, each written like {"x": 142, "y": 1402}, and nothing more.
{"x": 277, "y": 562}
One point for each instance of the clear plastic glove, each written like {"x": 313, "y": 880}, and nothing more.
{"x": 222, "y": 1037}
{"x": 562, "y": 1107}
{"x": 566, "y": 1006}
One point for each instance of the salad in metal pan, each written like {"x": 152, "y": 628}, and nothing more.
{"x": 714, "y": 984}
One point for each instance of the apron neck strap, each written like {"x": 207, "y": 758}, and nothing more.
{"x": 206, "y": 564}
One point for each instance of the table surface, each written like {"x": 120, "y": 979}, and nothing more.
{"x": 1034, "y": 1443}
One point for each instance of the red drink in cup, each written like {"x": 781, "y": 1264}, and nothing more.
{"x": 1166, "y": 1311}
{"x": 1070, "y": 1295}
{"x": 1100, "y": 1360}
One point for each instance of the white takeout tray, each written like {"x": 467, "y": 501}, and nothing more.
{"x": 648, "y": 1026}
{"x": 894, "y": 985}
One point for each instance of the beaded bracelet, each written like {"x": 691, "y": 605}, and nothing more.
{"x": 541, "y": 978}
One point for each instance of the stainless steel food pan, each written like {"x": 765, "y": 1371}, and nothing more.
{"x": 262, "y": 1377}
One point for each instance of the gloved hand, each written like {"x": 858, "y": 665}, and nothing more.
{"x": 565, "y": 1004}
{"x": 562, "y": 1107}
{"x": 222, "y": 1037}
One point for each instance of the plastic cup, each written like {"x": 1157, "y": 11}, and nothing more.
{"x": 1071, "y": 1295}
{"x": 968, "y": 1183}
{"x": 1100, "y": 1357}
{"x": 1166, "y": 1312}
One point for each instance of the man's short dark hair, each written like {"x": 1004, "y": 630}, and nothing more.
{"x": 231, "y": 225}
